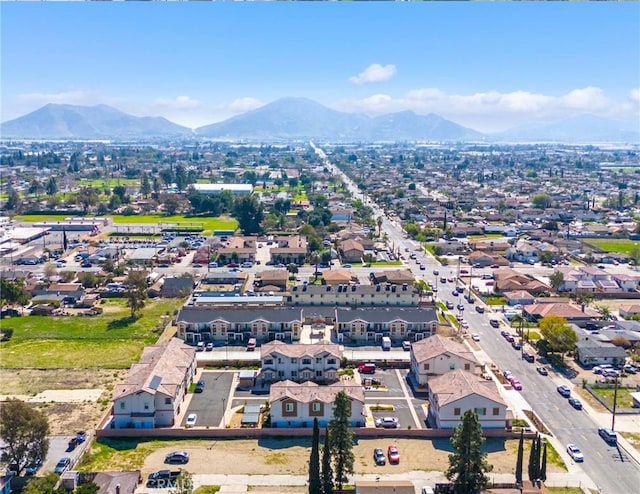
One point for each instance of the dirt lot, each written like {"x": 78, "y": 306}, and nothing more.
{"x": 291, "y": 456}
{"x": 63, "y": 417}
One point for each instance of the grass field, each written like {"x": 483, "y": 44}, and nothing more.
{"x": 209, "y": 224}
{"x": 110, "y": 340}
{"x": 622, "y": 245}
{"x": 108, "y": 182}
{"x": 623, "y": 399}
{"x": 42, "y": 217}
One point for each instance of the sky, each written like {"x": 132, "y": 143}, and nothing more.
{"x": 486, "y": 65}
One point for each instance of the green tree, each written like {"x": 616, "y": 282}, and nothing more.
{"x": 584, "y": 299}
{"x": 520, "y": 458}
{"x": 556, "y": 280}
{"x": 541, "y": 201}
{"x": 87, "y": 197}
{"x": 13, "y": 292}
{"x": 341, "y": 439}
{"x": 249, "y": 213}
{"x": 183, "y": 484}
{"x": 634, "y": 254}
{"x": 13, "y": 200}
{"x": 44, "y": 485}
{"x": 534, "y": 459}
{"x": 468, "y": 464}
{"x": 314, "y": 259}
{"x": 145, "y": 185}
{"x": 604, "y": 311}
{"x": 543, "y": 465}
{"x": 136, "y": 292}
{"x": 559, "y": 335}
{"x": 315, "y": 484}
{"x": 89, "y": 488}
{"x": 25, "y": 432}
{"x": 327, "y": 471}
{"x": 52, "y": 186}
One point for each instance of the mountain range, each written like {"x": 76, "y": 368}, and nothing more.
{"x": 301, "y": 119}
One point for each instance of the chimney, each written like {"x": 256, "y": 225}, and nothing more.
{"x": 117, "y": 488}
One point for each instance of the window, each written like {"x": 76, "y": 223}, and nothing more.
{"x": 496, "y": 411}
{"x": 306, "y": 361}
{"x": 280, "y": 373}
{"x": 467, "y": 366}
{"x": 294, "y": 360}
{"x": 456, "y": 411}
{"x": 279, "y": 360}
{"x": 122, "y": 405}
{"x": 481, "y": 411}
{"x": 268, "y": 361}
{"x": 294, "y": 373}
{"x": 318, "y": 360}
{"x": 167, "y": 401}
{"x": 452, "y": 366}
{"x": 318, "y": 373}
{"x": 315, "y": 407}
{"x": 331, "y": 361}
{"x": 288, "y": 407}
{"x": 146, "y": 405}
{"x": 426, "y": 366}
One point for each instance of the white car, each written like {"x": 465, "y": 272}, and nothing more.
{"x": 475, "y": 336}
{"x": 464, "y": 323}
{"x": 191, "y": 420}
{"x": 575, "y": 453}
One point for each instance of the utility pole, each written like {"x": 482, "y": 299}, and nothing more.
{"x": 615, "y": 402}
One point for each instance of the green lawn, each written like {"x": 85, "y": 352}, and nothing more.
{"x": 623, "y": 399}
{"x": 622, "y": 245}
{"x": 208, "y": 223}
{"x": 108, "y": 182}
{"x": 42, "y": 217}
{"x": 108, "y": 340}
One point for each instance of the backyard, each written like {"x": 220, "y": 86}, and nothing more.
{"x": 108, "y": 340}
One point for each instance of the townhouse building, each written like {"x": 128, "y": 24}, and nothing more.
{"x": 318, "y": 362}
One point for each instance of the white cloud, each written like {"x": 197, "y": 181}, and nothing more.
{"x": 79, "y": 97}
{"x": 493, "y": 110}
{"x": 374, "y": 73}
{"x": 242, "y": 105}
{"x": 178, "y": 103}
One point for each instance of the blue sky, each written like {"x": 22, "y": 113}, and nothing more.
{"x": 486, "y": 65}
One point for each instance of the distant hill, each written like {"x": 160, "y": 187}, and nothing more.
{"x": 88, "y": 122}
{"x": 580, "y": 129}
{"x": 301, "y": 118}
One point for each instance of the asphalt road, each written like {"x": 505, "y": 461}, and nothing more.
{"x": 608, "y": 467}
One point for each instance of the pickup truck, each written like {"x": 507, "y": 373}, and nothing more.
{"x": 163, "y": 478}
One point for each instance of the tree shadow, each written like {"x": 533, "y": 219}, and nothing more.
{"x": 123, "y": 322}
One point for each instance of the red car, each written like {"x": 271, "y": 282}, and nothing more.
{"x": 517, "y": 385}
{"x": 393, "y": 454}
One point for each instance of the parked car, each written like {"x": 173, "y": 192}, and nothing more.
{"x": 199, "y": 386}
{"x": 529, "y": 357}
{"x": 378, "y": 457}
{"x": 449, "y": 304}
{"x": 177, "y": 457}
{"x": 516, "y": 345}
{"x": 251, "y": 344}
{"x": 494, "y": 323}
{"x": 575, "y": 453}
{"x": 209, "y": 346}
{"x": 387, "y": 422}
{"x": 509, "y": 337}
{"x": 393, "y": 454}
{"x": 542, "y": 371}
{"x": 608, "y": 435}
{"x": 62, "y": 465}
{"x": 575, "y": 403}
{"x": 406, "y": 345}
{"x": 460, "y": 307}
{"x": 475, "y": 336}
{"x": 630, "y": 369}
{"x": 191, "y": 420}
{"x": 564, "y": 390}
{"x": 426, "y": 489}
{"x": 200, "y": 346}
{"x": 517, "y": 385}
{"x": 479, "y": 309}
{"x": 33, "y": 467}
{"x": 368, "y": 368}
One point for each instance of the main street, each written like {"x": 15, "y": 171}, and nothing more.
{"x": 611, "y": 468}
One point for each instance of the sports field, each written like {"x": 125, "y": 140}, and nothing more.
{"x": 621, "y": 245}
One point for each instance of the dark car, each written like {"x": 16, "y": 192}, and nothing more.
{"x": 379, "y": 457}
{"x": 73, "y": 442}
{"x": 575, "y": 403}
{"x": 33, "y": 467}
{"x": 199, "y": 386}
{"x": 177, "y": 457}
{"x": 494, "y": 323}
{"x": 542, "y": 371}
{"x": 528, "y": 357}
{"x": 516, "y": 345}
{"x": 608, "y": 435}
{"x": 81, "y": 436}
{"x": 564, "y": 390}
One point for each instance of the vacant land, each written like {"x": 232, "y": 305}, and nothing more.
{"x": 109, "y": 340}
{"x": 285, "y": 456}
{"x": 622, "y": 246}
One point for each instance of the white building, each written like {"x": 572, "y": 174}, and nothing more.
{"x": 455, "y": 392}
{"x": 296, "y": 405}
{"x": 437, "y": 355}
{"x": 155, "y": 388}
{"x": 217, "y": 188}
{"x": 300, "y": 362}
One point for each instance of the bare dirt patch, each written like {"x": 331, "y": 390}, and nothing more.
{"x": 34, "y": 381}
{"x": 291, "y": 456}
{"x": 67, "y": 418}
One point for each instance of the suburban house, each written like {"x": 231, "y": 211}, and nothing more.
{"x": 354, "y": 295}
{"x": 117, "y": 482}
{"x": 437, "y": 355}
{"x": 629, "y": 310}
{"x": 338, "y": 277}
{"x": 519, "y": 297}
{"x": 228, "y": 325}
{"x": 570, "y": 312}
{"x": 60, "y": 293}
{"x": 455, "y": 392}
{"x": 372, "y": 323}
{"x": 296, "y": 405}
{"x": 591, "y": 351}
{"x": 299, "y": 362}
{"x": 589, "y": 279}
{"x": 176, "y": 286}
{"x": 274, "y": 279}
{"x": 393, "y": 276}
{"x": 289, "y": 250}
{"x": 352, "y": 251}
{"x": 155, "y": 387}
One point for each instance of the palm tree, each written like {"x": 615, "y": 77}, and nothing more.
{"x": 380, "y": 220}
{"x": 584, "y": 299}
{"x": 314, "y": 258}
{"x": 604, "y": 312}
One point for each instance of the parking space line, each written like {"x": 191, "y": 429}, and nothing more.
{"x": 407, "y": 397}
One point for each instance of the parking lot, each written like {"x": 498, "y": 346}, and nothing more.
{"x": 218, "y": 395}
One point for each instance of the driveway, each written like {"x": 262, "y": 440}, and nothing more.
{"x": 209, "y": 404}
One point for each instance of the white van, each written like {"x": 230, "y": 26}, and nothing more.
{"x": 386, "y": 343}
